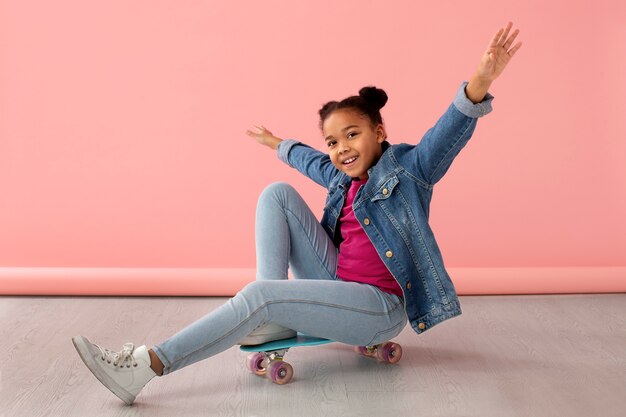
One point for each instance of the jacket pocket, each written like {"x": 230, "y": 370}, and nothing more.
{"x": 386, "y": 189}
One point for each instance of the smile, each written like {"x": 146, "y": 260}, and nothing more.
{"x": 350, "y": 162}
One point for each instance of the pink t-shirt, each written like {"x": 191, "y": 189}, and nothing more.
{"x": 358, "y": 260}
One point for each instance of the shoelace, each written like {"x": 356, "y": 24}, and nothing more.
{"x": 124, "y": 357}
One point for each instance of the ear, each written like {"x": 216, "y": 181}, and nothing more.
{"x": 381, "y": 134}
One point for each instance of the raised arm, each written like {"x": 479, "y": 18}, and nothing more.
{"x": 442, "y": 143}
{"x": 312, "y": 163}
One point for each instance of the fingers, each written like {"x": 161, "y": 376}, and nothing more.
{"x": 515, "y": 48}
{"x": 508, "y": 43}
{"x": 494, "y": 40}
{"x": 253, "y": 132}
{"x": 257, "y": 130}
{"x": 505, "y": 34}
{"x": 500, "y": 38}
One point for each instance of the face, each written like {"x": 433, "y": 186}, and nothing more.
{"x": 347, "y": 135}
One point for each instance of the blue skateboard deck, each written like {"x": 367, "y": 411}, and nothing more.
{"x": 300, "y": 340}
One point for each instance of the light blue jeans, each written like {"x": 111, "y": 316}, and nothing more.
{"x": 316, "y": 302}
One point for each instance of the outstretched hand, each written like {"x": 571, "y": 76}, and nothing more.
{"x": 263, "y": 136}
{"x": 498, "y": 54}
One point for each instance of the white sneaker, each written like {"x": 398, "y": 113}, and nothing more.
{"x": 267, "y": 333}
{"x": 125, "y": 372}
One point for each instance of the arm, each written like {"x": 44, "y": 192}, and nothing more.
{"x": 444, "y": 141}
{"x": 434, "y": 154}
{"x": 314, "y": 164}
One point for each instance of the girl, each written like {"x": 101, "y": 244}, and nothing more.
{"x": 370, "y": 266}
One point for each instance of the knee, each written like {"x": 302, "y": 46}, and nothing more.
{"x": 253, "y": 292}
{"x": 258, "y": 295}
{"x": 277, "y": 190}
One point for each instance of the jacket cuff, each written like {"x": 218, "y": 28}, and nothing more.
{"x": 283, "y": 149}
{"x": 465, "y": 105}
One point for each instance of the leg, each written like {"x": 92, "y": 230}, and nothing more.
{"x": 288, "y": 234}
{"x": 318, "y": 303}
{"x": 347, "y": 312}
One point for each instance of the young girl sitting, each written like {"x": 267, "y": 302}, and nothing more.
{"x": 371, "y": 264}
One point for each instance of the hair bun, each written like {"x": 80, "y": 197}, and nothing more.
{"x": 376, "y": 97}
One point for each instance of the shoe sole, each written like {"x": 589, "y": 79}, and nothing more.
{"x": 82, "y": 345}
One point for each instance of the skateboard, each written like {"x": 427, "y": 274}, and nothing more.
{"x": 266, "y": 359}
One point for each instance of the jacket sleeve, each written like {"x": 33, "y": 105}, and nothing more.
{"x": 443, "y": 142}
{"x": 314, "y": 164}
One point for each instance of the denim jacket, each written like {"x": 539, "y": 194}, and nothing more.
{"x": 393, "y": 206}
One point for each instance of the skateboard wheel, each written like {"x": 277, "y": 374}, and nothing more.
{"x": 256, "y": 363}
{"x": 389, "y": 352}
{"x": 279, "y": 372}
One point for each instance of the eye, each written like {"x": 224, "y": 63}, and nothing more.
{"x": 352, "y": 134}
{"x": 330, "y": 143}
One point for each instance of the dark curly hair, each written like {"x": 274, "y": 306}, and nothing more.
{"x": 368, "y": 103}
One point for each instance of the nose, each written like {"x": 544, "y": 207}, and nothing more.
{"x": 343, "y": 147}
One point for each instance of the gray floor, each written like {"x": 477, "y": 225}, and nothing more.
{"x": 541, "y": 355}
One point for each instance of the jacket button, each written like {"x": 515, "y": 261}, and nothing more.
{"x": 385, "y": 191}
{"x": 366, "y": 221}
{"x": 389, "y": 254}
{"x": 408, "y": 285}
{"x": 421, "y": 326}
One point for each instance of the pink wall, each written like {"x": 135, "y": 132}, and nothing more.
{"x": 122, "y": 124}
